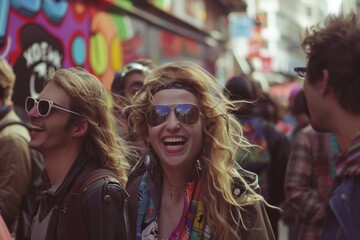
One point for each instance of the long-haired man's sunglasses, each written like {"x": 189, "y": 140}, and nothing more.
{"x": 185, "y": 113}
{"x": 43, "y": 106}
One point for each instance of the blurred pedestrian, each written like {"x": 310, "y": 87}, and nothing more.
{"x": 268, "y": 157}
{"x": 308, "y": 175}
{"x": 125, "y": 84}
{"x": 81, "y": 193}
{"x": 307, "y": 183}
{"x": 289, "y": 118}
{"x": 188, "y": 184}
{"x": 300, "y": 112}
{"x": 15, "y": 161}
{"x": 332, "y": 87}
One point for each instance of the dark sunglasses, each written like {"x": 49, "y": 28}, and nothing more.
{"x": 301, "y": 72}
{"x": 185, "y": 113}
{"x": 43, "y": 107}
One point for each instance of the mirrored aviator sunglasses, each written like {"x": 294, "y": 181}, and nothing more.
{"x": 43, "y": 106}
{"x": 185, "y": 113}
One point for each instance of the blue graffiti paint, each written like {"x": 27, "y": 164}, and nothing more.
{"x": 55, "y": 10}
{"x": 78, "y": 51}
{"x": 4, "y": 12}
{"x": 26, "y": 7}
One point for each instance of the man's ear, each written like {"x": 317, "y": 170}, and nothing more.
{"x": 324, "y": 83}
{"x": 81, "y": 128}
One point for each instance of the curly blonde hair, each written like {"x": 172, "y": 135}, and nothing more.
{"x": 89, "y": 98}
{"x": 222, "y": 139}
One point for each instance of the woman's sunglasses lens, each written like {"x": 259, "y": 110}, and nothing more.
{"x": 29, "y": 104}
{"x": 157, "y": 115}
{"x": 187, "y": 113}
{"x": 43, "y": 107}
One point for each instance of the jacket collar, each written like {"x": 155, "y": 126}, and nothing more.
{"x": 48, "y": 200}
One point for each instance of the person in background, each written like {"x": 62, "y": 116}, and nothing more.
{"x": 131, "y": 78}
{"x": 307, "y": 182}
{"x": 332, "y": 87}
{"x": 188, "y": 185}
{"x": 300, "y": 112}
{"x": 15, "y": 160}
{"x": 124, "y": 86}
{"x": 271, "y": 109}
{"x": 74, "y": 129}
{"x": 308, "y": 174}
{"x": 268, "y": 157}
{"x": 266, "y": 106}
{"x": 289, "y": 118}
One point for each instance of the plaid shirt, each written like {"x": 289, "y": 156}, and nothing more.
{"x": 308, "y": 180}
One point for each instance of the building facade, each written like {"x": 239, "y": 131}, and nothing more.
{"x": 104, "y": 35}
{"x": 273, "y": 46}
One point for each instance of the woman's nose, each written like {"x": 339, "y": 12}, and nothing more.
{"x": 172, "y": 122}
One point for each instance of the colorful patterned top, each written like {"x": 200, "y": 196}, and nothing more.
{"x": 192, "y": 221}
{"x": 256, "y": 158}
{"x": 145, "y": 199}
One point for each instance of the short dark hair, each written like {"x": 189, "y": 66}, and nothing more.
{"x": 300, "y": 105}
{"x": 336, "y": 48}
{"x": 239, "y": 88}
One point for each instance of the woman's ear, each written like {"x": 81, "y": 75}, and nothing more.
{"x": 81, "y": 128}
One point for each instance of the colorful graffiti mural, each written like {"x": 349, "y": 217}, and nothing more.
{"x": 39, "y": 35}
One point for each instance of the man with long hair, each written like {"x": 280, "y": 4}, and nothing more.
{"x": 74, "y": 129}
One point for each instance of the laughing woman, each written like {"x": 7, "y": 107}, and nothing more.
{"x": 188, "y": 185}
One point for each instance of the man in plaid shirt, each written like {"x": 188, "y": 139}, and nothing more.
{"x": 308, "y": 178}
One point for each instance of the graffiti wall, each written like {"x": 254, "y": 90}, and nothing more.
{"x": 39, "y": 35}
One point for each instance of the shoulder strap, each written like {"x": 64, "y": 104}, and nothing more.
{"x": 14, "y": 122}
{"x": 73, "y": 201}
{"x": 89, "y": 177}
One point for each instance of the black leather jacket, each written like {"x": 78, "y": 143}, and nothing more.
{"x": 103, "y": 218}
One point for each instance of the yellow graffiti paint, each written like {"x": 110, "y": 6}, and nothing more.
{"x": 117, "y": 59}
{"x": 98, "y": 53}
